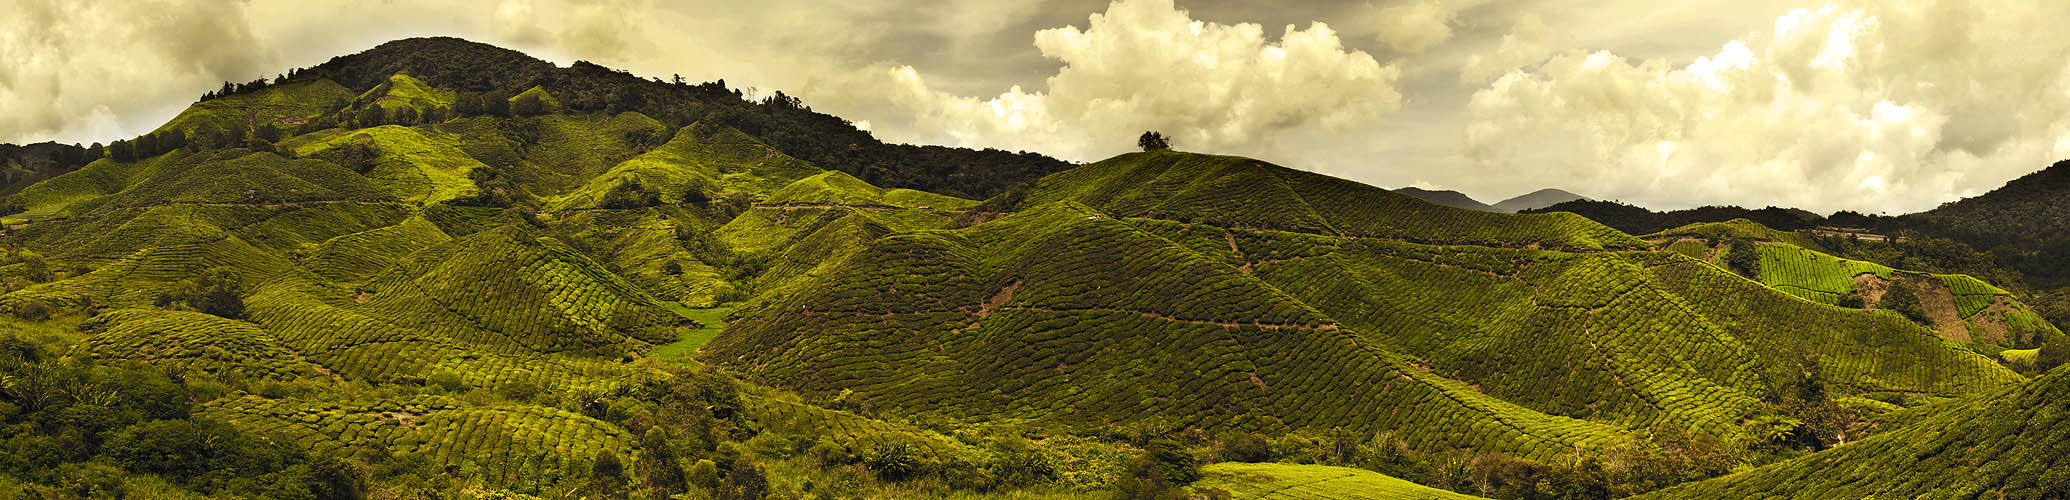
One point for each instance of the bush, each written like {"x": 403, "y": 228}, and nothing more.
{"x": 2053, "y": 354}
{"x": 1246, "y": 447}
{"x": 1161, "y": 471}
{"x": 1900, "y": 299}
{"x": 1021, "y": 463}
{"x": 91, "y": 480}
{"x": 745, "y": 482}
{"x": 32, "y": 310}
{"x": 1744, "y": 257}
{"x": 704, "y": 474}
{"x": 892, "y": 460}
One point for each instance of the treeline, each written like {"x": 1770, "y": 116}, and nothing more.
{"x": 1640, "y": 221}
{"x": 233, "y": 88}
{"x": 780, "y": 120}
{"x": 22, "y": 165}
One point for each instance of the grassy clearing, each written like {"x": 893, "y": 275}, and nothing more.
{"x": 710, "y": 321}
{"x": 416, "y": 164}
{"x": 1247, "y": 481}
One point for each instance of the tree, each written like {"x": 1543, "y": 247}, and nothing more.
{"x": 527, "y": 104}
{"x": 2053, "y": 354}
{"x": 1743, "y": 257}
{"x": 1902, "y": 300}
{"x": 1154, "y": 141}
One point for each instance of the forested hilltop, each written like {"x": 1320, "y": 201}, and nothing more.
{"x": 440, "y": 269}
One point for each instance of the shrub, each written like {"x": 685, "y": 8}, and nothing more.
{"x": 1021, "y": 463}
{"x": 1902, "y": 300}
{"x": 704, "y": 474}
{"x": 892, "y": 460}
{"x": 2053, "y": 354}
{"x": 91, "y": 480}
{"x": 745, "y": 482}
{"x": 1744, "y": 257}
{"x": 520, "y": 391}
{"x": 32, "y": 310}
{"x": 1246, "y": 447}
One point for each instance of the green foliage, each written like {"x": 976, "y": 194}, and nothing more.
{"x": 2053, "y": 354}
{"x": 1162, "y": 471}
{"x": 1153, "y": 141}
{"x": 2005, "y": 445}
{"x": 1903, "y": 300}
{"x": 1742, "y": 257}
{"x": 1241, "y": 192}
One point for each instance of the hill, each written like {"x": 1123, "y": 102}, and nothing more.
{"x": 1452, "y": 199}
{"x": 442, "y": 269}
{"x": 1536, "y": 200}
{"x": 1959, "y": 307}
{"x": 1638, "y": 220}
{"x": 1562, "y": 319}
{"x": 784, "y": 123}
{"x": 2008, "y": 445}
{"x": 2021, "y": 223}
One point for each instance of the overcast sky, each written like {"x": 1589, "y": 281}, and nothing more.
{"x": 1873, "y": 105}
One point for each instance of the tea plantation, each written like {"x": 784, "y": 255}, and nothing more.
{"x": 559, "y": 285}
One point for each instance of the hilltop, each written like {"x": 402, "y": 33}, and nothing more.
{"x": 1536, "y": 200}
{"x": 1452, "y": 199}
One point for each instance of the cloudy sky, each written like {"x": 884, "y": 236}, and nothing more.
{"x": 1874, "y": 105}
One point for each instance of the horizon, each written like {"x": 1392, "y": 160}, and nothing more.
{"x": 1661, "y": 106}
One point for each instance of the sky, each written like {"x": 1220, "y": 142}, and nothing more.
{"x": 1881, "y": 106}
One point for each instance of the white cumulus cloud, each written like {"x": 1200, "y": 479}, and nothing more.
{"x": 1146, "y": 65}
{"x": 71, "y": 70}
{"x": 1867, "y": 105}
{"x": 1415, "y": 26}
{"x": 1529, "y": 42}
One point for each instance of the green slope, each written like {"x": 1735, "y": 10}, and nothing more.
{"x": 1061, "y": 314}
{"x": 286, "y": 106}
{"x": 402, "y": 91}
{"x": 1245, "y": 193}
{"x": 1959, "y": 307}
{"x": 2009, "y": 445}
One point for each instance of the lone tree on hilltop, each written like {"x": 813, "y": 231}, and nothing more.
{"x": 1153, "y": 141}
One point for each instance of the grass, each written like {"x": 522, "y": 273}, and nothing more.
{"x": 415, "y": 164}
{"x": 284, "y": 105}
{"x": 710, "y": 321}
{"x": 1247, "y": 481}
{"x": 402, "y": 91}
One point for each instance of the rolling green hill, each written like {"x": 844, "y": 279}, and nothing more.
{"x": 1958, "y": 307}
{"x": 546, "y": 282}
{"x": 2007, "y": 445}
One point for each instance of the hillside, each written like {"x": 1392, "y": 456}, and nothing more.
{"x": 440, "y": 269}
{"x": 1452, "y": 199}
{"x": 1958, "y": 307}
{"x": 465, "y": 67}
{"x": 1536, "y": 200}
{"x": 2007, "y": 445}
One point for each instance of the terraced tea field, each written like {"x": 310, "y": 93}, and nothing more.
{"x": 470, "y": 273}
